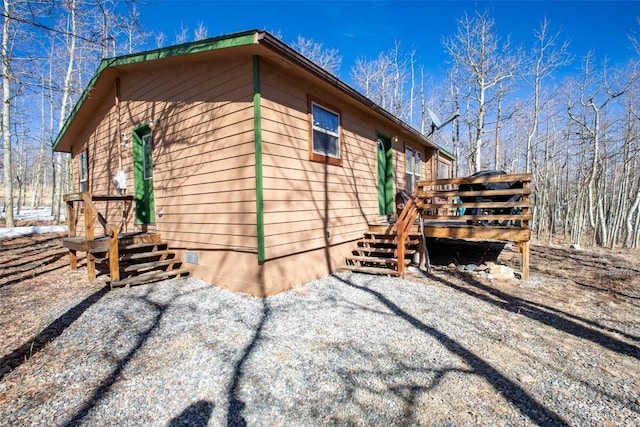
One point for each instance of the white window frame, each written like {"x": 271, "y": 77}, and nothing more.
{"x": 147, "y": 170}
{"x": 317, "y": 154}
{"x": 413, "y": 166}
{"x": 83, "y": 172}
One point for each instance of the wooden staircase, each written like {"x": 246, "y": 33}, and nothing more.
{"x": 129, "y": 258}
{"x": 143, "y": 258}
{"x": 377, "y": 252}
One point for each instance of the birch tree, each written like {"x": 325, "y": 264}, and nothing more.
{"x": 545, "y": 57}
{"x": 597, "y": 90}
{"x": 327, "y": 58}
{"x": 6, "y": 114}
{"x": 484, "y": 61}
{"x": 71, "y": 6}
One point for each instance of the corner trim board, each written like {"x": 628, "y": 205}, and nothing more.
{"x": 257, "y": 126}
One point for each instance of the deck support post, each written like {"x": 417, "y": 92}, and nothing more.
{"x": 523, "y": 248}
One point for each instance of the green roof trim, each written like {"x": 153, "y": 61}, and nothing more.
{"x": 446, "y": 153}
{"x": 215, "y": 43}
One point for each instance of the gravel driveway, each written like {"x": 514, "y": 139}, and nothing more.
{"x": 350, "y": 349}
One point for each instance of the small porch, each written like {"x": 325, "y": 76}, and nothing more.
{"x": 126, "y": 257}
{"x": 456, "y": 208}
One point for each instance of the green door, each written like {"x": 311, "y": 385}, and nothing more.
{"x": 143, "y": 175}
{"x": 385, "y": 175}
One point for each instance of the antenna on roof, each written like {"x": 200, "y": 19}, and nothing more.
{"x": 435, "y": 121}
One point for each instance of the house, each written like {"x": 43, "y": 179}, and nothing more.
{"x": 257, "y": 166}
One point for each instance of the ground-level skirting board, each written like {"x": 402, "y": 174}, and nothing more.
{"x": 240, "y": 271}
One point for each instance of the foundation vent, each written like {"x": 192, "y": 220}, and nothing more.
{"x": 191, "y": 257}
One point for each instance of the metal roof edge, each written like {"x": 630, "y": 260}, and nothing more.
{"x": 447, "y": 153}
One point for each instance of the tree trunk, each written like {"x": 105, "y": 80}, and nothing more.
{"x": 6, "y": 117}
{"x": 66, "y": 95}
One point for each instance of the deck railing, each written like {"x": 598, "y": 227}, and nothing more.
{"x": 466, "y": 206}
{"x": 91, "y": 213}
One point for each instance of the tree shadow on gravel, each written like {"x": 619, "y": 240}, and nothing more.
{"x": 549, "y": 316}
{"x": 236, "y": 406}
{"x": 408, "y": 389}
{"x": 21, "y": 354}
{"x": 195, "y": 415}
{"x": 106, "y": 384}
{"x": 511, "y": 391}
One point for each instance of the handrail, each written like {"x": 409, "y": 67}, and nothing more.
{"x": 424, "y": 203}
{"x": 403, "y": 225}
{"x": 91, "y": 213}
{"x": 476, "y": 179}
{"x": 445, "y": 194}
{"x": 88, "y": 203}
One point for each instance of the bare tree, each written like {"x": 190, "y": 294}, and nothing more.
{"x": 484, "y": 61}
{"x": 201, "y": 32}
{"x": 544, "y": 59}
{"x": 329, "y": 59}
{"x": 134, "y": 36}
{"x": 596, "y": 92}
{"x": 183, "y": 35}
{"x": 383, "y": 80}
{"x": 6, "y": 114}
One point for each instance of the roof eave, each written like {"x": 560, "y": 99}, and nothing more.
{"x": 273, "y": 43}
{"x": 226, "y": 41}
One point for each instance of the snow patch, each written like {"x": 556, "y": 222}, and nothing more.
{"x": 6, "y": 233}
{"x": 32, "y": 214}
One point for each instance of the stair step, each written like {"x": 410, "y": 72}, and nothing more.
{"x": 148, "y": 265}
{"x": 142, "y": 255}
{"x": 377, "y": 260}
{"x": 377, "y": 241}
{"x": 386, "y": 242}
{"x": 388, "y": 235}
{"x": 138, "y": 246}
{"x": 371, "y": 250}
{"x": 371, "y": 270}
{"x": 150, "y": 277}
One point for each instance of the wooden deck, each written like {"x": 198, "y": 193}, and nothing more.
{"x": 459, "y": 208}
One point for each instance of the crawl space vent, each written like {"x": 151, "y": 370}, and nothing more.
{"x": 191, "y": 257}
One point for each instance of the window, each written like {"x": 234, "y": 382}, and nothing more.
{"x": 413, "y": 168}
{"x": 147, "y": 163}
{"x": 325, "y": 135}
{"x": 83, "y": 172}
{"x": 444, "y": 171}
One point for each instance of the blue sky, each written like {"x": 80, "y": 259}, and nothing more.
{"x": 365, "y": 28}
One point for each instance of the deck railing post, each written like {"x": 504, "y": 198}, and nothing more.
{"x": 89, "y": 218}
{"x": 71, "y": 227}
{"x": 114, "y": 255}
{"x": 400, "y": 251}
{"x": 524, "y": 246}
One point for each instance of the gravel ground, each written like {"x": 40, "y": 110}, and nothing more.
{"x": 444, "y": 350}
